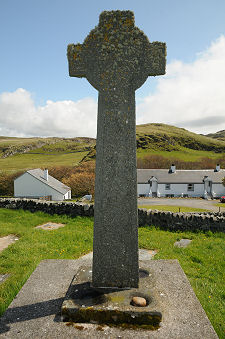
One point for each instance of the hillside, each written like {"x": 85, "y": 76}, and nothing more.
{"x": 167, "y": 141}
{"x": 23, "y": 153}
{"x": 11, "y": 145}
{"x": 220, "y": 135}
{"x": 171, "y": 138}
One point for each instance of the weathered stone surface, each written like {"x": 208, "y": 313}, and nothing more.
{"x": 7, "y": 240}
{"x": 116, "y": 58}
{"x": 50, "y": 226}
{"x": 3, "y": 277}
{"x": 182, "y": 243}
{"x": 87, "y": 304}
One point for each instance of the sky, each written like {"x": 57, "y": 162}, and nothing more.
{"x": 38, "y": 98}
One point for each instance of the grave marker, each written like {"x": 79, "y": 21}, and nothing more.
{"x": 116, "y": 58}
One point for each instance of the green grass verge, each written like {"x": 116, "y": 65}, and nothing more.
{"x": 172, "y": 208}
{"x": 220, "y": 204}
{"x": 202, "y": 261}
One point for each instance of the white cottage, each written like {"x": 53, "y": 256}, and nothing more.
{"x": 181, "y": 183}
{"x": 37, "y": 183}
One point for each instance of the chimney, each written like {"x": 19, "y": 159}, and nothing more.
{"x": 46, "y": 174}
{"x": 217, "y": 169}
{"x": 172, "y": 169}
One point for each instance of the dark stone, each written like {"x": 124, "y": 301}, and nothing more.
{"x": 116, "y": 58}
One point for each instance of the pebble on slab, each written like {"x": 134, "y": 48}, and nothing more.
{"x": 139, "y": 301}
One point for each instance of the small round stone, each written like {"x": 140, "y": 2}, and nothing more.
{"x": 139, "y": 301}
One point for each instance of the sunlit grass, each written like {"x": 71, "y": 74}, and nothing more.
{"x": 25, "y": 161}
{"x": 185, "y": 154}
{"x": 172, "y": 208}
{"x": 202, "y": 261}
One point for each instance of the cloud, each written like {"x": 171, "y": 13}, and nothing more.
{"x": 20, "y": 117}
{"x": 190, "y": 95}
{"x": 208, "y": 121}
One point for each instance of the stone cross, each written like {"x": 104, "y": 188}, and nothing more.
{"x": 116, "y": 58}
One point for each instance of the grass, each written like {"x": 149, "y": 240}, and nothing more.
{"x": 220, "y": 204}
{"x": 172, "y": 208}
{"x": 34, "y": 245}
{"x": 203, "y": 260}
{"x": 185, "y": 154}
{"x": 25, "y": 161}
{"x": 203, "y": 263}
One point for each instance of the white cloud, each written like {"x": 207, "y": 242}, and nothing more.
{"x": 20, "y": 117}
{"x": 190, "y": 95}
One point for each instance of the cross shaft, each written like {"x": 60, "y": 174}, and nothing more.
{"x": 116, "y": 58}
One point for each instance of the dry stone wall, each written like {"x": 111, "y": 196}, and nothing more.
{"x": 193, "y": 222}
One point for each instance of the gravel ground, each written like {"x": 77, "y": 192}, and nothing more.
{"x": 196, "y": 203}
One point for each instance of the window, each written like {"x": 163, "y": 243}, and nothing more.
{"x": 190, "y": 187}
{"x": 167, "y": 186}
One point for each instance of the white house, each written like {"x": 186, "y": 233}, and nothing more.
{"x": 37, "y": 183}
{"x": 181, "y": 183}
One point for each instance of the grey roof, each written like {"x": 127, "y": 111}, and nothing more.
{"x": 52, "y": 182}
{"x": 180, "y": 176}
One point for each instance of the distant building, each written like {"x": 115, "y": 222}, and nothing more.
{"x": 181, "y": 183}
{"x": 37, "y": 183}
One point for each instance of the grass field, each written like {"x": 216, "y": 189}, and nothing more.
{"x": 27, "y": 161}
{"x": 184, "y": 154}
{"x": 172, "y": 208}
{"x": 203, "y": 260}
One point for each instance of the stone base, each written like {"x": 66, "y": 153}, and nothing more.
{"x": 35, "y": 312}
{"x": 87, "y": 304}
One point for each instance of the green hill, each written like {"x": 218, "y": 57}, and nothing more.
{"x": 23, "y": 153}
{"x": 171, "y": 138}
{"x": 170, "y": 141}
{"x": 220, "y": 135}
{"x": 163, "y": 140}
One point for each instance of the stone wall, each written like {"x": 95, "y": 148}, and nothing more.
{"x": 207, "y": 221}
{"x": 51, "y": 207}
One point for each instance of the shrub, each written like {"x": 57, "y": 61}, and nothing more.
{"x": 81, "y": 183}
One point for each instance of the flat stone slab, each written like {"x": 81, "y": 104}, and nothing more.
{"x": 7, "y": 240}
{"x": 35, "y": 312}
{"x": 182, "y": 243}
{"x": 50, "y": 226}
{"x": 147, "y": 254}
{"x": 3, "y": 277}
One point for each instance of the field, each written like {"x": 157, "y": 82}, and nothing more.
{"x": 19, "y": 162}
{"x": 185, "y": 154}
{"x": 202, "y": 261}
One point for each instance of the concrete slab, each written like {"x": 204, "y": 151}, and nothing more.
{"x": 35, "y": 312}
{"x": 50, "y": 226}
{"x": 7, "y": 240}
